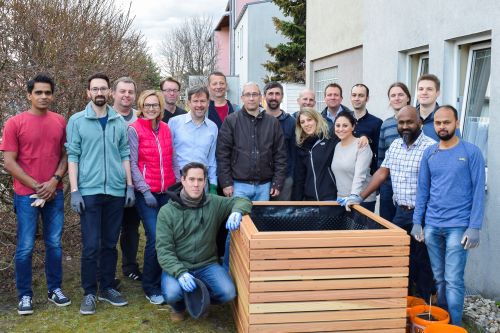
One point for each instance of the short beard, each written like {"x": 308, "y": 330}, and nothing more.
{"x": 446, "y": 137}
{"x": 100, "y": 101}
{"x": 409, "y": 138}
{"x": 273, "y": 105}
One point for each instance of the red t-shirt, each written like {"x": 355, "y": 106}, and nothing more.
{"x": 222, "y": 111}
{"x": 38, "y": 141}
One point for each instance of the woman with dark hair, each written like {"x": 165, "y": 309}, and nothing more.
{"x": 351, "y": 164}
{"x": 151, "y": 162}
{"x": 399, "y": 96}
{"x": 313, "y": 178}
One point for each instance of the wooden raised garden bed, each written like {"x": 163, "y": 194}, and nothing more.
{"x": 312, "y": 267}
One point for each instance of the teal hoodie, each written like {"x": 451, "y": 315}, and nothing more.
{"x": 99, "y": 153}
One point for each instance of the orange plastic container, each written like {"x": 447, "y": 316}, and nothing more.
{"x": 419, "y": 324}
{"x": 444, "y": 328}
{"x": 411, "y": 301}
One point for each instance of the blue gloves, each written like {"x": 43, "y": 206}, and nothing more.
{"x": 417, "y": 232}
{"x": 150, "y": 199}
{"x": 233, "y": 221}
{"x": 77, "y": 203}
{"x": 470, "y": 239}
{"x": 129, "y": 196}
{"x": 187, "y": 283}
{"x": 353, "y": 199}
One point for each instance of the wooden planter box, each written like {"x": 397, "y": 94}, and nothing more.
{"x": 326, "y": 280}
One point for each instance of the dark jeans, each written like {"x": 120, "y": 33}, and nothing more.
{"x": 420, "y": 266}
{"x": 151, "y": 274}
{"x": 129, "y": 240}
{"x": 100, "y": 227}
{"x": 387, "y": 207}
{"x": 27, "y": 217}
{"x": 370, "y": 205}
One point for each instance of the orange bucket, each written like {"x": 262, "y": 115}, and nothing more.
{"x": 411, "y": 301}
{"x": 444, "y": 328}
{"x": 419, "y": 324}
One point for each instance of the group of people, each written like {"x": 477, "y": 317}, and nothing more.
{"x": 183, "y": 174}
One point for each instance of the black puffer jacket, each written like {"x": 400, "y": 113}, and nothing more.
{"x": 314, "y": 180}
{"x": 251, "y": 149}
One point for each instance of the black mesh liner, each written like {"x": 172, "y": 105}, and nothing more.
{"x": 310, "y": 218}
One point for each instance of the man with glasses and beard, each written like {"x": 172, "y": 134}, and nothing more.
{"x": 402, "y": 163}
{"x": 450, "y": 200}
{"x": 101, "y": 185}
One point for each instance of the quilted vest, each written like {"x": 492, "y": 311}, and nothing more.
{"x": 155, "y": 155}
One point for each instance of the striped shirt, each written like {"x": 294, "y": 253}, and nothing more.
{"x": 388, "y": 133}
{"x": 404, "y": 164}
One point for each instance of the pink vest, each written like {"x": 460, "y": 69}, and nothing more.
{"x": 155, "y": 154}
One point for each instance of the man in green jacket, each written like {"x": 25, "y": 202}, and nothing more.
{"x": 186, "y": 239}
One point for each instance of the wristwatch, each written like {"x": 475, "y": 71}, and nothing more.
{"x": 57, "y": 177}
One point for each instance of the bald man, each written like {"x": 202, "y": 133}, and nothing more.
{"x": 306, "y": 99}
{"x": 402, "y": 163}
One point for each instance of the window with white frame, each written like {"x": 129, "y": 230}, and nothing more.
{"x": 418, "y": 65}
{"x": 322, "y": 78}
{"x": 475, "y": 101}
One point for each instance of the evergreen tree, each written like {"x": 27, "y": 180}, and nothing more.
{"x": 290, "y": 57}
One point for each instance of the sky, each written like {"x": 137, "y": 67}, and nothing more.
{"x": 154, "y": 18}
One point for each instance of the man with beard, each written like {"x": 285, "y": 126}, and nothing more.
{"x": 273, "y": 94}
{"x": 101, "y": 185}
{"x": 171, "y": 88}
{"x": 402, "y": 163}
{"x": 450, "y": 200}
{"x": 195, "y": 136}
{"x": 124, "y": 93}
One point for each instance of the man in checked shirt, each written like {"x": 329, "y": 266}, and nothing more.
{"x": 402, "y": 163}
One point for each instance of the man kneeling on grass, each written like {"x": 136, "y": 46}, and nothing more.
{"x": 186, "y": 239}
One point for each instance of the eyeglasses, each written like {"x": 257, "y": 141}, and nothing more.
{"x": 170, "y": 91}
{"x": 254, "y": 95}
{"x": 152, "y": 106}
{"x": 96, "y": 90}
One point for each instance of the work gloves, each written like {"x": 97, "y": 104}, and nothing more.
{"x": 233, "y": 221}
{"x": 417, "y": 232}
{"x": 129, "y": 196}
{"x": 353, "y": 199}
{"x": 186, "y": 282}
{"x": 77, "y": 203}
{"x": 470, "y": 239}
{"x": 38, "y": 202}
{"x": 150, "y": 199}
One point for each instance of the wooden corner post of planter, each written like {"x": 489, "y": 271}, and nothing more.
{"x": 291, "y": 278}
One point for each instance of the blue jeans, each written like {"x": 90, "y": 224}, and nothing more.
{"x": 27, "y": 218}
{"x": 219, "y": 284}
{"x": 151, "y": 269}
{"x": 252, "y": 192}
{"x": 420, "y": 274}
{"x": 100, "y": 226}
{"x": 387, "y": 208}
{"x": 448, "y": 259}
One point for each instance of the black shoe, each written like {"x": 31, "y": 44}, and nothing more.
{"x": 57, "y": 297}
{"x": 113, "y": 297}
{"x": 135, "y": 276}
{"x": 25, "y": 306}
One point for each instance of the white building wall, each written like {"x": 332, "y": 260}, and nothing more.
{"x": 391, "y": 29}
{"x": 241, "y": 49}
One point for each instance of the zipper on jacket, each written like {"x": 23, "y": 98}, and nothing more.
{"x": 314, "y": 172}
{"x": 162, "y": 176}
{"x": 105, "y": 166}
{"x": 144, "y": 171}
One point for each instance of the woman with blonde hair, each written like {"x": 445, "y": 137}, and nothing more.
{"x": 152, "y": 166}
{"x": 313, "y": 178}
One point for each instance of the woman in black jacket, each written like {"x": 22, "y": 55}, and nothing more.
{"x": 313, "y": 178}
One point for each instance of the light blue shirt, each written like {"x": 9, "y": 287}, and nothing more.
{"x": 195, "y": 143}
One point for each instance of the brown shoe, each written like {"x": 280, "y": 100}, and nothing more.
{"x": 176, "y": 317}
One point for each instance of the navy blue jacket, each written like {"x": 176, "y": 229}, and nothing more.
{"x": 214, "y": 116}
{"x": 287, "y": 123}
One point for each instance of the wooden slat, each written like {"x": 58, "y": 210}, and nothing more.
{"x": 343, "y": 252}
{"x": 267, "y": 265}
{"x": 357, "y": 304}
{"x": 324, "y": 295}
{"x": 297, "y": 317}
{"x": 238, "y": 247}
{"x": 325, "y": 274}
{"x": 329, "y": 233}
{"x": 329, "y": 284}
{"x": 345, "y": 241}
{"x": 351, "y": 326}
{"x": 241, "y": 322}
